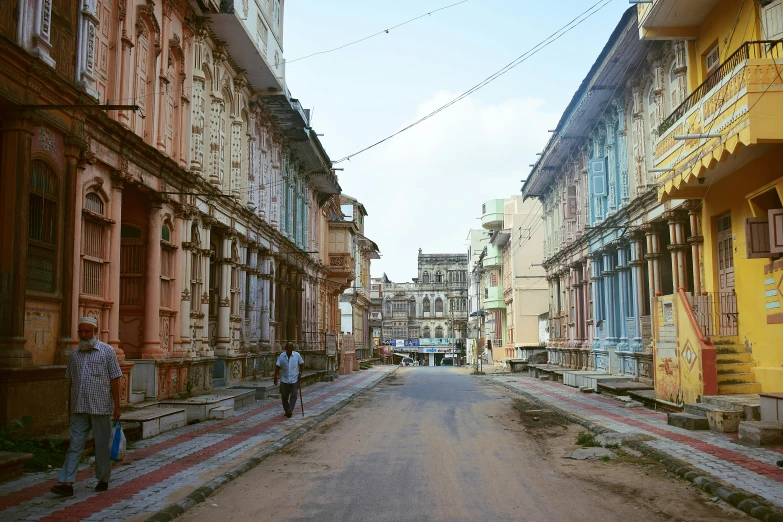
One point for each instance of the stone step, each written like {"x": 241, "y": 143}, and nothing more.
{"x": 738, "y": 357}
{"x": 731, "y": 389}
{"x": 761, "y": 433}
{"x": 242, "y": 398}
{"x": 687, "y": 421}
{"x": 137, "y": 397}
{"x": 224, "y": 412}
{"x": 736, "y": 378}
{"x": 198, "y": 408}
{"x": 155, "y": 420}
{"x": 735, "y": 367}
{"x": 749, "y": 404}
{"x": 722, "y": 420}
{"x": 12, "y": 463}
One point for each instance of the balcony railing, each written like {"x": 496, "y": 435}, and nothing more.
{"x": 716, "y": 313}
{"x": 749, "y": 50}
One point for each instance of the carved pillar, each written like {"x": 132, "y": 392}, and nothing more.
{"x": 125, "y": 78}
{"x": 206, "y": 223}
{"x": 85, "y": 54}
{"x": 610, "y": 293}
{"x": 653, "y": 259}
{"x": 696, "y": 240}
{"x": 677, "y": 249}
{"x": 117, "y": 185}
{"x": 42, "y": 25}
{"x": 598, "y": 307}
{"x": 266, "y": 301}
{"x": 183, "y": 227}
{"x": 251, "y": 310}
{"x": 637, "y": 264}
{"x": 14, "y": 211}
{"x": 626, "y": 295}
{"x": 151, "y": 348}
{"x": 223, "y": 346}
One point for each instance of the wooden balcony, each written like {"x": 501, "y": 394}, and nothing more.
{"x": 341, "y": 268}
{"x": 742, "y": 102}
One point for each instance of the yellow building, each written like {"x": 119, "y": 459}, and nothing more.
{"x": 721, "y": 149}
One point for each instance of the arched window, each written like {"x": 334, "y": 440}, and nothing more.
{"x": 425, "y": 305}
{"x": 93, "y": 245}
{"x": 438, "y": 305}
{"x": 42, "y": 222}
{"x": 166, "y": 267}
{"x": 426, "y": 332}
{"x": 412, "y": 308}
{"x": 425, "y": 278}
{"x": 438, "y": 277}
{"x": 439, "y": 332}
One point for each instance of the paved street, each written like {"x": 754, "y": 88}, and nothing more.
{"x": 168, "y": 467}
{"x": 440, "y": 444}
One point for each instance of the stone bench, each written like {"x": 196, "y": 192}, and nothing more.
{"x": 155, "y": 420}
{"x": 719, "y": 419}
{"x": 761, "y": 433}
{"x": 265, "y": 388}
{"x": 198, "y": 408}
{"x": 12, "y": 463}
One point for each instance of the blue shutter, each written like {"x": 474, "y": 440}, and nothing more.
{"x": 598, "y": 176}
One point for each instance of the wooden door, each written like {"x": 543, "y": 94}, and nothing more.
{"x": 725, "y": 254}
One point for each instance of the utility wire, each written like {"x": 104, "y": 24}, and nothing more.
{"x": 592, "y": 10}
{"x": 384, "y": 31}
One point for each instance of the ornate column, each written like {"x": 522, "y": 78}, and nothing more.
{"x": 598, "y": 307}
{"x": 126, "y": 73}
{"x": 637, "y": 264}
{"x": 223, "y": 346}
{"x": 206, "y": 225}
{"x": 610, "y": 291}
{"x": 185, "y": 277}
{"x": 653, "y": 258}
{"x": 251, "y": 309}
{"x": 611, "y": 168}
{"x": 622, "y": 152}
{"x": 623, "y": 267}
{"x": 14, "y": 203}
{"x": 150, "y": 348}
{"x": 677, "y": 249}
{"x": 696, "y": 240}
{"x": 42, "y": 25}
{"x": 266, "y": 301}
{"x": 85, "y": 54}
{"x": 117, "y": 184}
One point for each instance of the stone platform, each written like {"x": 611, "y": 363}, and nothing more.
{"x": 155, "y": 420}
{"x": 199, "y": 408}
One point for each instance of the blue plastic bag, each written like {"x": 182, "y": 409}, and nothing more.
{"x": 117, "y": 440}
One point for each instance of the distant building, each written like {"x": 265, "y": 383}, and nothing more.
{"x": 427, "y": 318}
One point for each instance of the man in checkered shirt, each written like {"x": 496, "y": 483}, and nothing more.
{"x": 93, "y": 375}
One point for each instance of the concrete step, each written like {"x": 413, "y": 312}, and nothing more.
{"x": 734, "y": 357}
{"x": 735, "y": 367}
{"x": 224, "y": 412}
{"x": 155, "y": 420}
{"x": 198, "y": 408}
{"x": 731, "y": 389}
{"x": 242, "y": 398}
{"x": 137, "y": 397}
{"x": 761, "y": 433}
{"x": 687, "y": 421}
{"x": 736, "y": 378}
{"x": 748, "y": 404}
{"x": 723, "y": 420}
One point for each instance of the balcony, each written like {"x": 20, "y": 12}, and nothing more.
{"x": 494, "y": 257}
{"x": 493, "y": 298}
{"x": 492, "y": 214}
{"x": 743, "y": 102}
{"x": 244, "y": 30}
{"x": 673, "y": 19}
{"x": 341, "y": 269}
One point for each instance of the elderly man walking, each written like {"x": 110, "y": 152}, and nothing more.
{"x": 93, "y": 375}
{"x": 291, "y": 364}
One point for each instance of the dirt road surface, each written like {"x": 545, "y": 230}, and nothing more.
{"x": 433, "y": 444}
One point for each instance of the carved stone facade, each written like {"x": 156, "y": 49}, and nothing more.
{"x": 189, "y": 218}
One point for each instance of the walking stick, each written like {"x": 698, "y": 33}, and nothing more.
{"x": 301, "y": 400}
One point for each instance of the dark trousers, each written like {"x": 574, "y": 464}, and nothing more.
{"x": 288, "y": 395}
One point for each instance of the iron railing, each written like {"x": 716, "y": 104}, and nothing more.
{"x": 716, "y": 313}
{"x": 748, "y": 51}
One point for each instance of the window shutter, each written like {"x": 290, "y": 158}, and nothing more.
{"x": 598, "y": 175}
{"x": 776, "y": 231}
{"x": 570, "y": 211}
{"x": 757, "y": 237}
{"x": 772, "y": 20}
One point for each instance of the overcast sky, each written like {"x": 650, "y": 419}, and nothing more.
{"x": 424, "y": 188}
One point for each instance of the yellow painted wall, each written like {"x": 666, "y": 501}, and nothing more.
{"x": 718, "y": 27}
{"x": 758, "y": 337}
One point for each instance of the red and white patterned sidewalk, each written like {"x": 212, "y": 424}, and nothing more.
{"x": 750, "y": 469}
{"x": 168, "y": 467}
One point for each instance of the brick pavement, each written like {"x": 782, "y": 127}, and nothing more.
{"x": 166, "y": 468}
{"x": 746, "y": 468}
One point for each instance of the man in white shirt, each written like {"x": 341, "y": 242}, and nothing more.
{"x": 291, "y": 365}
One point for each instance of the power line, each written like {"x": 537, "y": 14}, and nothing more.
{"x": 592, "y": 10}
{"x": 384, "y": 31}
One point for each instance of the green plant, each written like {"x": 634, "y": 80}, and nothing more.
{"x": 586, "y": 440}
{"x": 189, "y": 385}
{"x": 605, "y": 458}
{"x": 6, "y": 443}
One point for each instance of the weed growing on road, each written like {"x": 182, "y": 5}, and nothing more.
{"x": 587, "y": 440}
{"x": 605, "y": 458}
